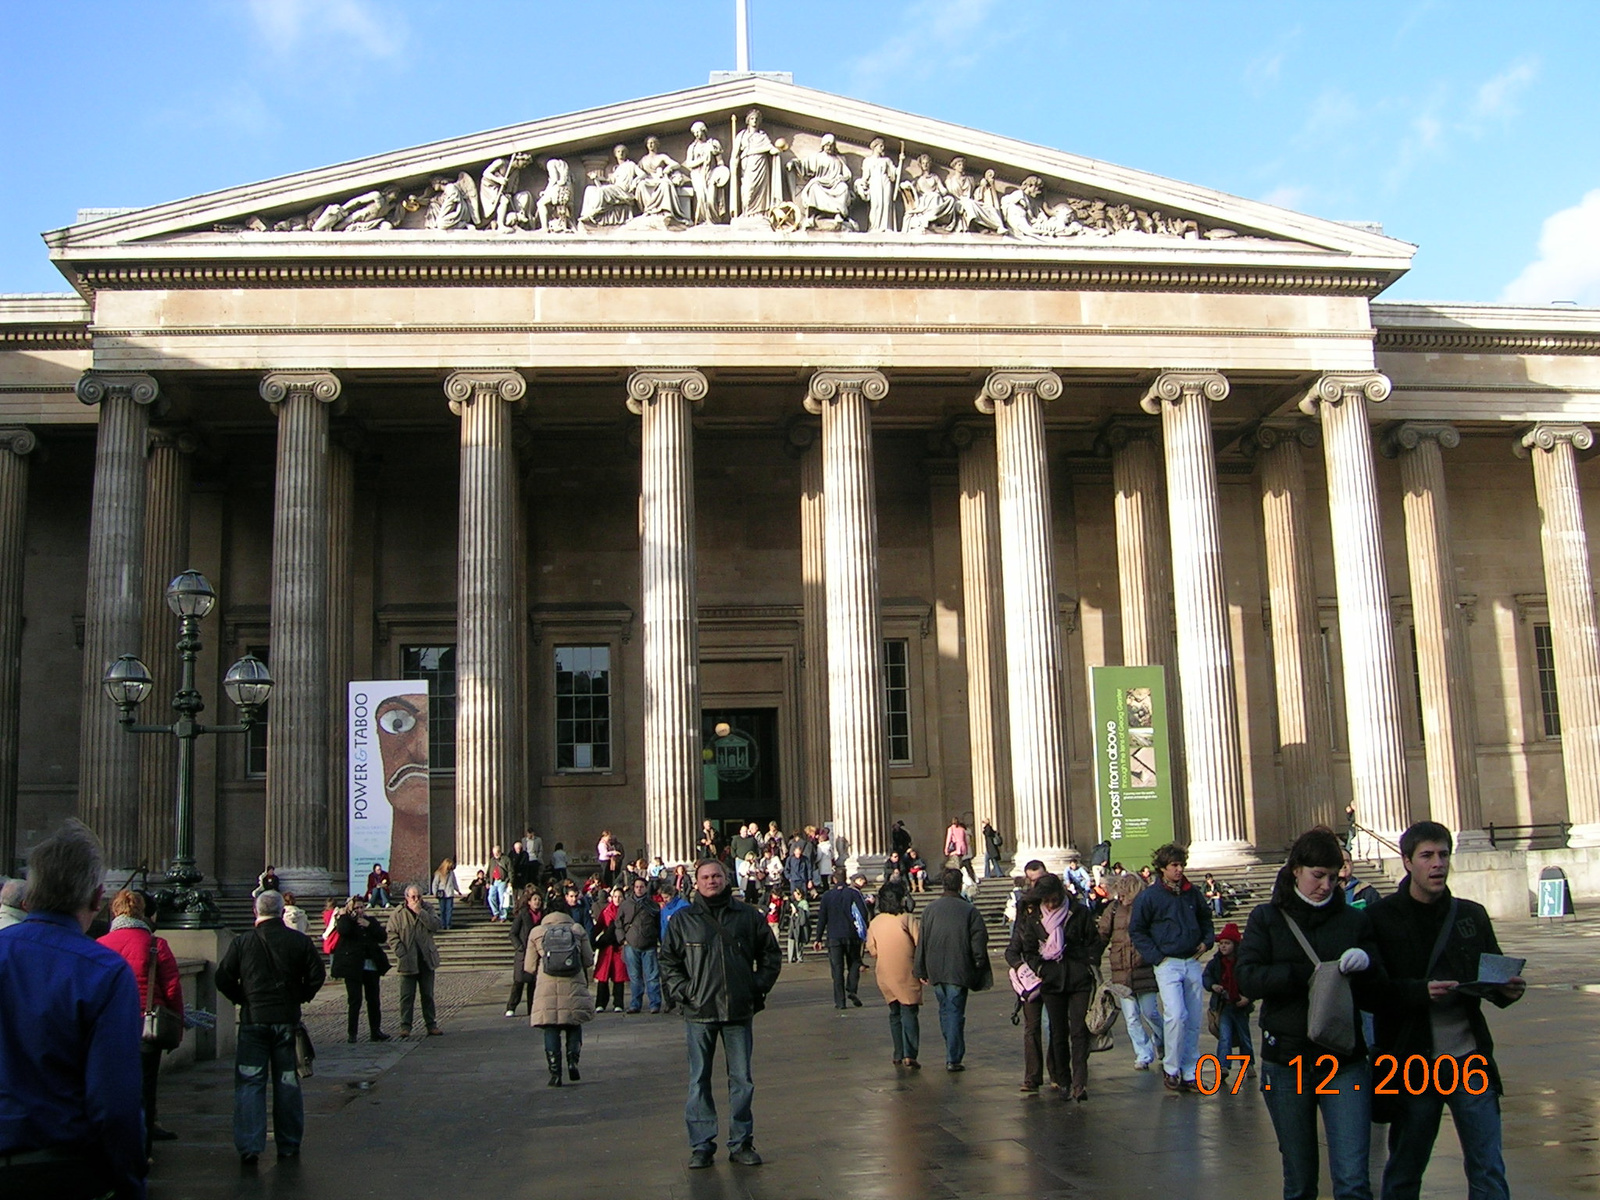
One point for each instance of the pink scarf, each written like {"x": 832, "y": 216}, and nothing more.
{"x": 1055, "y": 923}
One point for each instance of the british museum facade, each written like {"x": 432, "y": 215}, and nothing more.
{"x": 848, "y": 441}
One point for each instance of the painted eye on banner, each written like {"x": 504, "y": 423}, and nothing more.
{"x": 397, "y": 721}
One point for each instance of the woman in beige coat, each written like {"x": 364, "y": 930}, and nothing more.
{"x": 892, "y": 942}
{"x": 562, "y": 1000}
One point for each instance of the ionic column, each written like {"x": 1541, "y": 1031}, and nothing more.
{"x": 1366, "y": 627}
{"x": 817, "y": 807}
{"x": 984, "y": 630}
{"x": 1305, "y": 725}
{"x": 1574, "y": 632}
{"x": 341, "y": 635}
{"x": 1035, "y": 686}
{"x": 486, "y": 592}
{"x": 15, "y": 446}
{"x": 1444, "y": 668}
{"x": 297, "y": 745}
{"x": 1217, "y": 829}
{"x": 166, "y": 553}
{"x": 108, "y": 758}
{"x": 673, "y": 778}
{"x": 858, "y": 764}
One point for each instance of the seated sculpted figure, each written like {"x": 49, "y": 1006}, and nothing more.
{"x": 826, "y": 193}
{"x": 974, "y": 212}
{"x": 1026, "y": 216}
{"x": 611, "y": 197}
{"x": 929, "y": 204}
{"x": 664, "y": 190}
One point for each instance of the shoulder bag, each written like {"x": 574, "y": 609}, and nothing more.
{"x": 163, "y": 1028}
{"x": 305, "y": 1054}
{"x": 1330, "y": 1008}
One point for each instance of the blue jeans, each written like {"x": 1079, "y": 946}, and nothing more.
{"x": 1233, "y": 1030}
{"x": 497, "y": 898}
{"x": 1292, "y": 1103}
{"x": 991, "y": 864}
{"x": 1183, "y": 1000}
{"x": 1415, "y": 1127}
{"x": 447, "y": 910}
{"x": 380, "y": 897}
{"x": 1142, "y": 1015}
{"x": 552, "y": 1040}
{"x": 952, "y": 1020}
{"x": 264, "y": 1051}
{"x": 700, "y": 1113}
{"x": 644, "y": 976}
{"x": 905, "y": 1031}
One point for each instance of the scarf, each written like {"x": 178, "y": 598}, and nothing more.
{"x": 126, "y": 922}
{"x": 1229, "y": 983}
{"x": 1055, "y": 923}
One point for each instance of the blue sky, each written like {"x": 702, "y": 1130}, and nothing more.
{"x": 1466, "y": 127}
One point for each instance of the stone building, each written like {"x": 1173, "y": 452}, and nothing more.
{"x": 867, "y": 453}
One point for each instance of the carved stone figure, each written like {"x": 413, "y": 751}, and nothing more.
{"x": 879, "y": 177}
{"x": 703, "y": 159}
{"x": 611, "y": 196}
{"x": 370, "y": 210}
{"x": 506, "y": 206}
{"x": 754, "y": 151}
{"x": 989, "y": 192}
{"x": 1026, "y": 217}
{"x": 825, "y": 195}
{"x": 929, "y": 204}
{"x": 664, "y": 190}
{"x": 454, "y": 203}
{"x": 972, "y": 212}
{"x": 555, "y": 202}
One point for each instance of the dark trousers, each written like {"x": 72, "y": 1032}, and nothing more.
{"x": 1036, "y": 1057}
{"x": 364, "y": 983}
{"x": 845, "y": 960}
{"x": 149, "y": 1070}
{"x": 263, "y": 1059}
{"x": 517, "y": 988}
{"x": 410, "y": 985}
{"x": 552, "y": 1036}
{"x": 904, "y": 1030}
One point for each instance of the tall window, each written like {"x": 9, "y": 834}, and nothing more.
{"x": 1327, "y": 686}
{"x": 1544, "y": 657}
{"x": 583, "y": 708}
{"x": 897, "y": 698}
{"x": 1416, "y": 683}
{"x": 436, "y": 664}
{"x": 255, "y": 746}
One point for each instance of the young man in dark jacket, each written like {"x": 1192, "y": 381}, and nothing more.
{"x": 1426, "y": 1014}
{"x": 639, "y": 925}
{"x": 269, "y": 973}
{"x": 953, "y": 955}
{"x": 718, "y": 964}
{"x": 1171, "y": 928}
{"x": 843, "y": 918}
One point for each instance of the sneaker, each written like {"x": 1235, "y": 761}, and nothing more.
{"x": 1174, "y": 1083}
{"x": 699, "y": 1159}
{"x": 745, "y": 1156}
{"x": 954, "y": 1067}
{"x": 1188, "y": 1085}
{"x": 913, "y": 1064}
{"x": 511, "y": 1012}
{"x": 405, "y": 1031}
{"x": 1141, "y": 1066}
{"x": 435, "y": 1031}
{"x": 856, "y": 1000}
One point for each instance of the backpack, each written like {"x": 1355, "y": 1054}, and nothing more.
{"x": 561, "y": 956}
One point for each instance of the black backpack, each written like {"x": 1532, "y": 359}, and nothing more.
{"x": 560, "y": 954}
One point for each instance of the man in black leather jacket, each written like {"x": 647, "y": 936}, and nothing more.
{"x": 718, "y": 963}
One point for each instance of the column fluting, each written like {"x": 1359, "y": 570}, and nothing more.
{"x": 341, "y": 634}
{"x": 16, "y": 444}
{"x": 673, "y": 775}
{"x": 818, "y": 804}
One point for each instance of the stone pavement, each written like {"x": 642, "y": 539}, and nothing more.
{"x": 469, "y": 1113}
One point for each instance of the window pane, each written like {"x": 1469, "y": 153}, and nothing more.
{"x": 255, "y": 754}
{"x": 1544, "y": 654}
{"x": 436, "y": 665}
{"x": 583, "y": 708}
{"x": 897, "y": 698}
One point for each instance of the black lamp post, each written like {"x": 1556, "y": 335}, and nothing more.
{"x": 247, "y": 684}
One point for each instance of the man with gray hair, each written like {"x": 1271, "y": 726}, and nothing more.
{"x": 11, "y": 910}
{"x": 70, "y": 1083}
{"x": 269, "y": 973}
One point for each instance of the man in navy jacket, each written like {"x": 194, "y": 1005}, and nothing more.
{"x": 843, "y": 918}
{"x": 1171, "y": 928}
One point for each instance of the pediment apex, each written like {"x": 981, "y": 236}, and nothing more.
{"x": 580, "y": 136}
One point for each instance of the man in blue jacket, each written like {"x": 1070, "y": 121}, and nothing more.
{"x": 844, "y": 924}
{"x": 1171, "y": 928}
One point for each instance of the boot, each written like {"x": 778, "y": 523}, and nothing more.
{"x": 552, "y": 1060}
{"x": 572, "y": 1063}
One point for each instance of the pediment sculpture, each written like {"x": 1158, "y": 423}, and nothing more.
{"x": 758, "y": 181}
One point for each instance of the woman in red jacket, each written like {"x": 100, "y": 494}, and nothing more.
{"x": 610, "y": 970}
{"x": 131, "y": 936}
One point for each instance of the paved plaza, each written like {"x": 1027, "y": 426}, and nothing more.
{"x": 469, "y": 1113}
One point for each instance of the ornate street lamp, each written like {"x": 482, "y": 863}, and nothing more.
{"x": 247, "y": 684}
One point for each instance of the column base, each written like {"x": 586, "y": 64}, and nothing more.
{"x": 1581, "y": 837}
{"x": 1222, "y": 854}
{"x": 870, "y": 865}
{"x": 311, "y": 883}
{"x": 1054, "y": 858}
{"x": 1473, "y": 841}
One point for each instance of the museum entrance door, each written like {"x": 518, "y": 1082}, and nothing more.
{"x": 740, "y": 752}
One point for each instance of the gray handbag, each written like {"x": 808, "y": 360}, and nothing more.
{"x": 1330, "y": 1008}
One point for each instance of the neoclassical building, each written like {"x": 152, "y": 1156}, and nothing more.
{"x": 862, "y": 435}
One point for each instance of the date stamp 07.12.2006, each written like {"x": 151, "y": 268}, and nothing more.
{"x": 1416, "y": 1075}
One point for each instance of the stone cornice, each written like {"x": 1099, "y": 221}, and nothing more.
{"x": 826, "y": 386}
{"x": 93, "y": 387}
{"x": 1478, "y": 341}
{"x": 645, "y": 385}
{"x": 1547, "y": 435}
{"x": 465, "y": 386}
{"x": 46, "y": 337}
{"x": 1176, "y": 387}
{"x": 1001, "y": 386}
{"x": 1337, "y": 387}
{"x": 1408, "y": 435}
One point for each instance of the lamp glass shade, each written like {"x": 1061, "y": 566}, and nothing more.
{"x": 190, "y": 595}
{"x": 127, "y": 681}
{"x": 248, "y": 683}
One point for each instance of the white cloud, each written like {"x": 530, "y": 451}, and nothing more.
{"x": 287, "y": 25}
{"x": 1497, "y": 97}
{"x": 1568, "y": 266}
{"x": 1265, "y": 70}
{"x": 1288, "y": 195}
{"x": 937, "y": 34}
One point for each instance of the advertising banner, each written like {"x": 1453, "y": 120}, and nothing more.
{"x": 1132, "y": 767}
{"x": 388, "y": 794}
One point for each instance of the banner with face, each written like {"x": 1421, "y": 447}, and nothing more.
{"x": 389, "y": 781}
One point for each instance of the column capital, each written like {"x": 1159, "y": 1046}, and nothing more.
{"x": 18, "y": 439}
{"x": 465, "y": 387}
{"x": 182, "y": 440}
{"x": 278, "y": 386}
{"x": 1276, "y": 432}
{"x": 1175, "y": 387}
{"x": 1121, "y": 432}
{"x": 1336, "y": 387}
{"x": 648, "y": 383}
{"x": 1001, "y": 386}
{"x": 1408, "y": 435}
{"x": 827, "y": 385}
{"x": 1547, "y": 435}
{"x": 95, "y": 386}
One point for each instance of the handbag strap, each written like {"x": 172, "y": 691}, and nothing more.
{"x": 1444, "y": 936}
{"x": 150, "y": 976}
{"x": 1300, "y": 937}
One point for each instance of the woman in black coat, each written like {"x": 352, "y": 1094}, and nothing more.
{"x": 359, "y": 959}
{"x": 1301, "y": 1077}
{"x": 529, "y": 913}
{"x": 1064, "y": 965}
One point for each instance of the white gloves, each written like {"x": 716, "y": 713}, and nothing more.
{"x": 1353, "y": 960}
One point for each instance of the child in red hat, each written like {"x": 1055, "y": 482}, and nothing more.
{"x": 1232, "y": 1010}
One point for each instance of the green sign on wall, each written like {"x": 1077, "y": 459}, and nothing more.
{"x": 1132, "y": 763}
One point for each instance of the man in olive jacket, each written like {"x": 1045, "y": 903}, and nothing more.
{"x": 718, "y": 963}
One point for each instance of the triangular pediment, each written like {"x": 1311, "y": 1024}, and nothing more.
{"x": 780, "y": 186}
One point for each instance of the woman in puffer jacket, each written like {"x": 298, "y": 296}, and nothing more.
{"x": 562, "y": 1004}
{"x": 1141, "y": 1007}
{"x": 132, "y": 934}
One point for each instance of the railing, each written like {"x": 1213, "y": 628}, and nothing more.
{"x": 1554, "y": 831}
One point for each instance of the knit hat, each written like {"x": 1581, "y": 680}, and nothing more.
{"x": 1230, "y": 933}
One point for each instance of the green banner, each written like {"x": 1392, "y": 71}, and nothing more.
{"x": 1132, "y": 763}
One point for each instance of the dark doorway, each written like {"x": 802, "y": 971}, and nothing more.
{"x": 741, "y": 766}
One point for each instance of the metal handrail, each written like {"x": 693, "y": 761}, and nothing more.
{"x": 1563, "y": 828}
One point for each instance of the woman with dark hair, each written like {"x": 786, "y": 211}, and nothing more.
{"x": 1275, "y": 968}
{"x": 360, "y": 960}
{"x": 530, "y": 911}
{"x": 1056, "y": 938}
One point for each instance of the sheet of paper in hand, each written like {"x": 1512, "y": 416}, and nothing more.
{"x": 1493, "y": 970}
